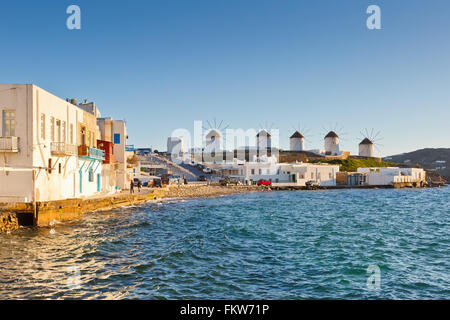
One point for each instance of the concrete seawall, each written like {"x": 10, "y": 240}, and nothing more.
{"x": 65, "y": 210}
{"x": 71, "y": 209}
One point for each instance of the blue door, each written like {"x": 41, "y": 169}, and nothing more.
{"x": 81, "y": 182}
{"x": 98, "y": 182}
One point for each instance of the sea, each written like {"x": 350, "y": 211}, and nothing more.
{"x": 323, "y": 244}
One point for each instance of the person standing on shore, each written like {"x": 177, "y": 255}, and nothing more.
{"x": 132, "y": 187}
{"x": 139, "y": 186}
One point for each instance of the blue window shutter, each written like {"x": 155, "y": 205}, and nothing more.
{"x": 116, "y": 138}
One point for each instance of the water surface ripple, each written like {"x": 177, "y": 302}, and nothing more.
{"x": 278, "y": 245}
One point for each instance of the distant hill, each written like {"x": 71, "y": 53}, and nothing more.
{"x": 435, "y": 159}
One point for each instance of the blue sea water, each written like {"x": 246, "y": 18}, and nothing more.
{"x": 269, "y": 245}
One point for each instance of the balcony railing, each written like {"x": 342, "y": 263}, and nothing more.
{"x": 91, "y": 153}
{"x": 9, "y": 144}
{"x": 63, "y": 149}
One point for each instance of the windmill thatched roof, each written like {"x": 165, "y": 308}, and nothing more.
{"x": 331, "y": 134}
{"x": 366, "y": 141}
{"x": 263, "y": 133}
{"x": 297, "y": 135}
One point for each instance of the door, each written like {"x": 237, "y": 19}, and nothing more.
{"x": 98, "y": 182}
{"x": 81, "y": 182}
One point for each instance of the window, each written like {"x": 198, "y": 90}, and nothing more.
{"x": 49, "y": 165}
{"x": 116, "y": 138}
{"x": 52, "y": 128}
{"x": 253, "y": 171}
{"x": 260, "y": 171}
{"x": 91, "y": 175}
{"x": 71, "y": 133}
{"x": 63, "y": 131}
{"x": 9, "y": 123}
{"x": 59, "y": 168}
{"x": 329, "y": 175}
{"x": 58, "y": 130}
{"x": 312, "y": 175}
{"x": 268, "y": 171}
{"x": 42, "y": 126}
{"x": 83, "y": 135}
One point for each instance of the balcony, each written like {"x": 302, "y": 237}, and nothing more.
{"x": 9, "y": 144}
{"x": 62, "y": 149}
{"x": 90, "y": 153}
{"x": 108, "y": 148}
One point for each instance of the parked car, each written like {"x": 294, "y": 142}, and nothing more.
{"x": 207, "y": 170}
{"x": 202, "y": 178}
{"x": 228, "y": 182}
{"x": 263, "y": 182}
{"x": 157, "y": 183}
{"x": 165, "y": 179}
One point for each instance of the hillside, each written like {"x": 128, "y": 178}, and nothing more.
{"x": 351, "y": 165}
{"x": 434, "y": 159}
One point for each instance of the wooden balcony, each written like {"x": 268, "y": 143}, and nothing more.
{"x": 108, "y": 148}
{"x": 91, "y": 153}
{"x": 62, "y": 149}
{"x": 9, "y": 144}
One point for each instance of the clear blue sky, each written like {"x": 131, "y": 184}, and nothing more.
{"x": 163, "y": 64}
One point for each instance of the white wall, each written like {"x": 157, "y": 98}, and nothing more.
{"x": 16, "y": 185}
{"x": 366, "y": 150}
{"x": 63, "y": 181}
{"x": 332, "y": 145}
{"x": 294, "y": 174}
{"x": 381, "y": 176}
{"x": 297, "y": 144}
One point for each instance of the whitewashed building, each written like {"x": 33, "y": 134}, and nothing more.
{"x": 390, "y": 176}
{"x": 280, "y": 174}
{"x": 113, "y": 136}
{"x": 366, "y": 148}
{"x": 48, "y": 147}
{"x": 175, "y": 145}
{"x": 331, "y": 141}
{"x": 297, "y": 142}
{"x": 263, "y": 140}
{"x": 213, "y": 141}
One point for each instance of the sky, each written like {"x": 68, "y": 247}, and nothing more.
{"x": 314, "y": 65}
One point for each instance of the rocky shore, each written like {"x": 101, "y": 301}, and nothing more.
{"x": 202, "y": 191}
{"x": 8, "y": 222}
